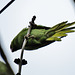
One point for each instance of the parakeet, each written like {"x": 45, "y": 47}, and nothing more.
{"x": 42, "y": 36}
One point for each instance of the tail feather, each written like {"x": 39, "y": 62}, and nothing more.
{"x": 60, "y": 30}
{"x": 65, "y": 26}
{"x": 58, "y": 26}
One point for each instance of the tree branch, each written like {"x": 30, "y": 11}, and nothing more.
{"x": 24, "y": 43}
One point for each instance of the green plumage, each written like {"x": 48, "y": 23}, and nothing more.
{"x": 42, "y": 36}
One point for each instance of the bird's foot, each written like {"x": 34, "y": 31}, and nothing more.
{"x": 29, "y": 36}
{"x": 32, "y": 36}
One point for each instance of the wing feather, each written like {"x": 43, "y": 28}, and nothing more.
{"x": 60, "y": 30}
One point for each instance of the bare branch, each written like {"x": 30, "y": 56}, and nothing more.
{"x": 24, "y": 43}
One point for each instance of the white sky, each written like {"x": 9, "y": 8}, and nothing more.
{"x": 55, "y": 59}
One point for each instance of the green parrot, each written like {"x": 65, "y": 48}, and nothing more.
{"x": 42, "y": 36}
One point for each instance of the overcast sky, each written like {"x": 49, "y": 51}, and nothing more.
{"x": 55, "y": 59}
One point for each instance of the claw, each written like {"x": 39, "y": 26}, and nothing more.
{"x": 32, "y": 36}
{"x": 25, "y": 37}
{"x": 29, "y": 36}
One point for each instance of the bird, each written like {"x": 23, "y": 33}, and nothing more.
{"x": 41, "y": 36}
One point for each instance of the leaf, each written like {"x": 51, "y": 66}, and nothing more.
{"x": 4, "y": 70}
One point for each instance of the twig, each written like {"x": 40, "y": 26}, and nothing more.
{"x": 24, "y": 44}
